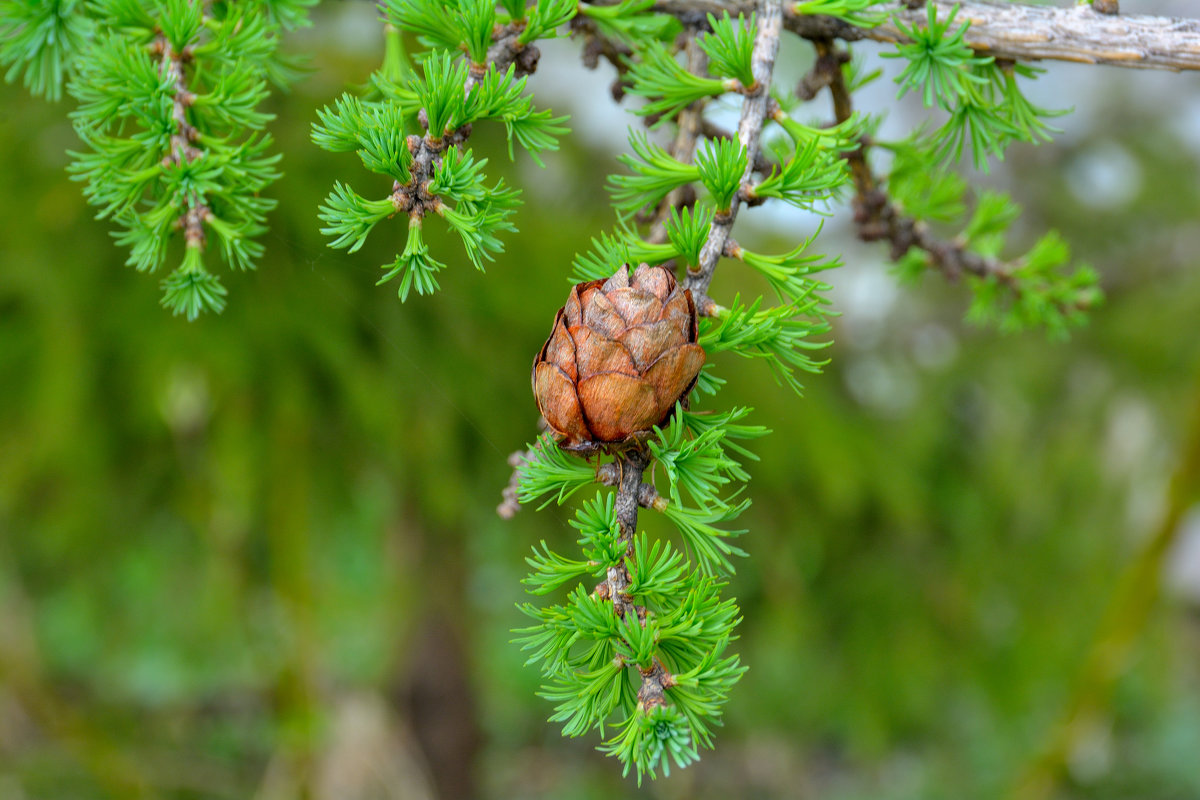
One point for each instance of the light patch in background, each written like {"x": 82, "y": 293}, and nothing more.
{"x": 885, "y": 387}
{"x": 1104, "y": 176}
{"x": 354, "y": 26}
{"x": 1130, "y": 435}
{"x": 865, "y": 294}
{"x": 1133, "y": 457}
{"x": 185, "y": 402}
{"x": 1091, "y": 756}
{"x": 933, "y": 347}
{"x": 1183, "y": 562}
{"x": 571, "y": 88}
{"x": 1185, "y": 123}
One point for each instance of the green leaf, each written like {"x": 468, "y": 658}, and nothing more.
{"x": 442, "y": 93}
{"x": 779, "y": 335}
{"x": 340, "y": 127}
{"x": 657, "y": 572}
{"x": 721, "y": 164}
{"x": 39, "y": 41}
{"x": 670, "y": 87}
{"x": 812, "y": 175}
{"x": 922, "y": 185}
{"x": 382, "y": 145}
{"x": 628, "y": 22}
{"x": 414, "y": 266}
{"x": 708, "y": 546}
{"x": 495, "y": 94}
{"x": 458, "y": 176}
{"x": 536, "y": 131}
{"x": 938, "y": 61}
{"x": 546, "y": 17}
{"x": 477, "y": 221}
{"x": 652, "y": 741}
{"x": 695, "y": 463}
{"x": 789, "y": 273}
{"x": 429, "y": 20}
{"x": 856, "y": 12}
{"x": 638, "y": 640}
{"x": 476, "y": 20}
{"x": 552, "y": 570}
{"x": 585, "y": 699}
{"x": 599, "y": 531}
{"x": 1024, "y": 116}
{"x": 688, "y": 230}
{"x": 994, "y": 213}
{"x": 701, "y": 692}
{"x": 655, "y": 174}
{"x": 611, "y": 251}
{"x": 730, "y": 48}
{"x": 350, "y": 217}
{"x": 191, "y": 289}
{"x": 975, "y": 120}
{"x": 550, "y": 640}
{"x": 699, "y": 422}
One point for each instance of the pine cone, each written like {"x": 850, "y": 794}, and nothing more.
{"x": 622, "y": 353}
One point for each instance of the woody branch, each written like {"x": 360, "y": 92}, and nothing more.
{"x": 750, "y": 125}
{"x": 876, "y": 216}
{"x": 630, "y": 466}
{"x": 1011, "y": 31}
{"x": 183, "y": 151}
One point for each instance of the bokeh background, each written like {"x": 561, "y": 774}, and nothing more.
{"x": 256, "y": 556}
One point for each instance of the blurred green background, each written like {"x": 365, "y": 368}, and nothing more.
{"x": 257, "y": 556}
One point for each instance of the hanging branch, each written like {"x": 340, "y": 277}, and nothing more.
{"x": 668, "y": 617}
{"x": 435, "y": 175}
{"x": 168, "y": 112}
{"x": 1032, "y": 287}
{"x": 183, "y": 134}
{"x": 631, "y": 465}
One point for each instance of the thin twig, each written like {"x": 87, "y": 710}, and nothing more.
{"x": 631, "y": 466}
{"x": 880, "y": 219}
{"x": 689, "y": 125}
{"x": 648, "y": 497}
{"x": 183, "y": 134}
{"x": 750, "y": 125}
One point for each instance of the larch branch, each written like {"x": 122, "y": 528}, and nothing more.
{"x": 689, "y": 127}
{"x": 182, "y": 135}
{"x": 1011, "y": 31}
{"x": 631, "y": 466}
{"x": 750, "y": 125}
{"x": 1018, "y": 32}
{"x": 878, "y": 218}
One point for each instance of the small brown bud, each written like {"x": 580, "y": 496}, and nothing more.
{"x": 527, "y": 60}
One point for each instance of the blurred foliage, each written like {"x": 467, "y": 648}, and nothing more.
{"x": 220, "y": 542}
